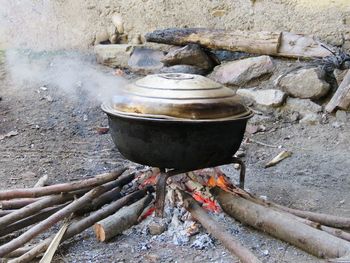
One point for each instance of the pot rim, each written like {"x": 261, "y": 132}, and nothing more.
{"x": 106, "y": 107}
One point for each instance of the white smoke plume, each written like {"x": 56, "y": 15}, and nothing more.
{"x": 29, "y": 27}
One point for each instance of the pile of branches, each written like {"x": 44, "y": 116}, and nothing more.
{"x": 99, "y": 201}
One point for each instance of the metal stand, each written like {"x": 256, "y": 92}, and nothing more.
{"x": 164, "y": 175}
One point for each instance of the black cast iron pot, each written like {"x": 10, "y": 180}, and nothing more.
{"x": 189, "y": 133}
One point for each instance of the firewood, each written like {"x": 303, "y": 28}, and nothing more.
{"x": 324, "y": 219}
{"x": 43, "y": 214}
{"x": 282, "y": 226}
{"x": 300, "y": 46}
{"x": 16, "y": 203}
{"x": 42, "y": 181}
{"x": 282, "y": 44}
{"x": 50, "y": 221}
{"x": 59, "y": 188}
{"x": 341, "y": 98}
{"x": 33, "y": 208}
{"x": 5, "y": 212}
{"x": 215, "y": 229}
{"x": 121, "y": 220}
{"x": 247, "y": 41}
{"x": 105, "y": 198}
{"x": 79, "y": 226}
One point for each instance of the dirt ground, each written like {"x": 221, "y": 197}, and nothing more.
{"x": 58, "y": 137}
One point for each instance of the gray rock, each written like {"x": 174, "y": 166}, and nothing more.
{"x": 146, "y": 61}
{"x": 184, "y": 69}
{"x": 341, "y": 116}
{"x": 304, "y": 84}
{"x": 240, "y": 72}
{"x": 268, "y": 97}
{"x": 156, "y": 228}
{"x": 113, "y": 55}
{"x": 310, "y": 119}
{"x": 191, "y": 54}
{"x": 302, "y": 106}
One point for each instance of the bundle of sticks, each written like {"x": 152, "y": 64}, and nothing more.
{"x": 99, "y": 201}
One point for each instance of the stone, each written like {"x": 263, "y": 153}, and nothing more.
{"x": 339, "y": 75}
{"x": 191, "y": 54}
{"x": 156, "y": 228}
{"x": 302, "y": 106}
{"x": 146, "y": 61}
{"x": 341, "y": 116}
{"x": 304, "y": 84}
{"x": 184, "y": 69}
{"x": 240, "y": 72}
{"x": 101, "y": 36}
{"x": 114, "y": 55}
{"x": 268, "y": 97}
{"x": 310, "y": 119}
{"x": 118, "y": 22}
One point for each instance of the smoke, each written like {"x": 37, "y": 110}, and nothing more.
{"x": 30, "y": 28}
{"x": 70, "y": 72}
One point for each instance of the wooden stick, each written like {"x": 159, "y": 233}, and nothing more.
{"x": 45, "y": 213}
{"x": 105, "y": 198}
{"x": 330, "y": 230}
{"x": 324, "y": 219}
{"x": 19, "y": 252}
{"x": 121, "y": 220}
{"x": 50, "y": 221}
{"x": 79, "y": 226}
{"x": 33, "y": 208}
{"x": 5, "y": 212}
{"x": 42, "y": 181}
{"x": 282, "y": 226}
{"x": 252, "y": 42}
{"x": 16, "y": 203}
{"x": 214, "y": 228}
{"x": 341, "y": 98}
{"x": 58, "y": 188}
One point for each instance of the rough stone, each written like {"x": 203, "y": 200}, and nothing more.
{"x": 341, "y": 116}
{"x": 268, "y": 97}
{"x": 184, "y": 69}
{"x": 302, "y": 106}
{"x": 240, "y": 72}
{"x": 156, "y": 228}
{"x": 146, "y": 61}
{"x": 310, "y": 119}
{"x": 304, "y": 84}
{"x": 191, "y": 54}
{"x": 114, "y": 55}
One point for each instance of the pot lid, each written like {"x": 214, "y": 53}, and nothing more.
{"x": 177, "y": 96}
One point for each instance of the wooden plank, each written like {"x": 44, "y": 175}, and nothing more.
{"x": 341, "y": 98}
{"x": 252, "y": 42}
{"x": 300, "y": 46}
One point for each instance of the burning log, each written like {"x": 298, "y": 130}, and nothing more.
{"x": 59, "y": 188}
{"x": 283, "y": 226}
{"x": 121, "y": 220}
{"x": 217, "y": 231}
{"x": 79, "y": 226}
{"x": 50, "y": 221}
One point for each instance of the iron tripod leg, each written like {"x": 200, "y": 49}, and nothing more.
{"x": 242, "y": 171}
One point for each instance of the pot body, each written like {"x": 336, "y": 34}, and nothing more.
{"x": 181, "y": 145}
